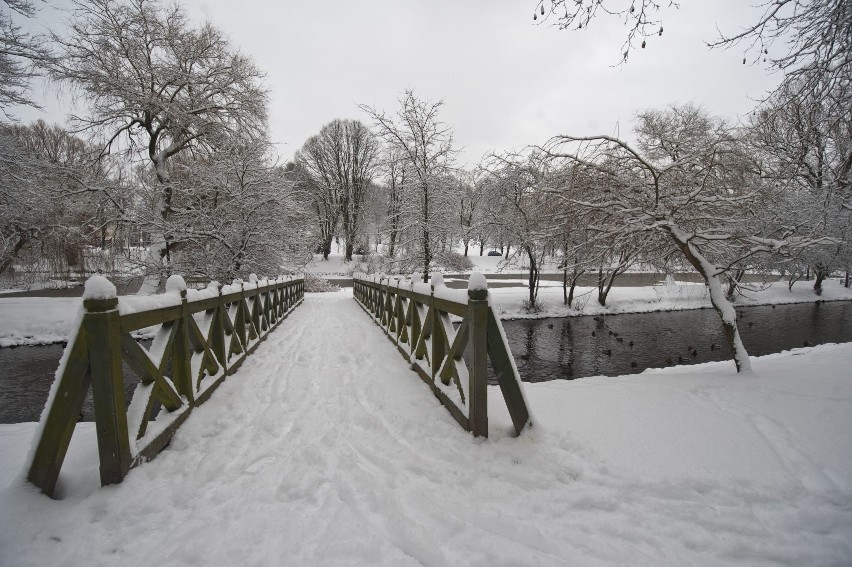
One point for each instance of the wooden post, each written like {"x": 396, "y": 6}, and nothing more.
{"x": 478, "y": 387}
{"x": 181, "y": 353}
{"x": 217, "y": 333}
{"x": 437, "y": 335}
{"x": 240, "y": 319}
{"x": 501, "y": 362}
{"x": 103, "y": 331}
{"x": 62, "y": 417}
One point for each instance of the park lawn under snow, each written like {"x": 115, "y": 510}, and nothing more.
{"x": 45, "y": 320}
{"x": 325, "y": 449}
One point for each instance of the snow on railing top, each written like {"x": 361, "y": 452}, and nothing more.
{"x": 128, "y": 304}
{"x": 477, "y": 282}
{"x": 175, "y": 284}
{"x": 98, "y": 287}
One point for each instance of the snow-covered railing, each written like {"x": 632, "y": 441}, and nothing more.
{"x": 200, "y": 337}
{"x": 416, "y": 318}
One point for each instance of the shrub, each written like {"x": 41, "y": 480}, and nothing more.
{"x": 455, "y": 261}
{"x": 316, "y": 284}
{"x": 532, "y": 307}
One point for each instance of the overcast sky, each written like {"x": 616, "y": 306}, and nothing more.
{"x": 506, "y": 81}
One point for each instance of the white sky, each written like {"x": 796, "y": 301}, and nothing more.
{"x": 506, "y": 82}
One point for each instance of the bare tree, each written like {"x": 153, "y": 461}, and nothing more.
{"x": 426, "y": 143}
{"x": 155, "y": 82}
{"x": 810, "y": 41}
{"x": 397, "y": 179}
{"x": 528, "y": 214}
{"x": 699, "y": 197}
{"x": 57, "y": 199}
{"x": 20, "y": 177}
{"x": 804, "y": 144}
{"x": 19, "y": 53}
{"x": 804, "y": 139}
{"x": 641, "y": 18}
{"x": 470, "y": 196}
{"x": 807, "y": 40}
{"x": 342, "y": 161}
{"x": 236, "y": 212}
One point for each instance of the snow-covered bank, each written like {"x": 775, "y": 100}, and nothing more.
{"x": 325, "y": 449}
{"x": 36, "y": 320}
{"x": 672, "y": 297}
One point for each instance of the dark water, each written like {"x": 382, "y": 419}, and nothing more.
{"x": 544, "y": 349}
{"x": 26, "y": 374}
{"x": 574, "y": 347}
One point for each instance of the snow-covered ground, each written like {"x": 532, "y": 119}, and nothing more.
{"x": 44, "y": 320}
{"x": 336, "y": 266}
{"x": 325, "y": 449}
{"x": 672, "y": 297}
{"x": 36, "y": 320}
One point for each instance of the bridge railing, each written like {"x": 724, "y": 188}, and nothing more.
{"x": 199, "y": 338}
{"x": 418, "y": 319}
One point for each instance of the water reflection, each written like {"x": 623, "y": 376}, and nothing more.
{"x": 27, "y": 374}
{"x": 567, "y": 348}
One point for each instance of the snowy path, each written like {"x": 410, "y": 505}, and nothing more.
{"x": 325, "y": 449}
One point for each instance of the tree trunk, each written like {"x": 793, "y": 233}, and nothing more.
{"x": 819, "y": 277}
{"x": 7, "y": 261}
{"x": 350, "y": 227}
{"x": 326, "y": 247}
{"x": 427, "y": 256}
{"x": 427, "y": 250}
{"x": 533, "y": 279}
{"x": 482, "y": 247}
{"x": 604, "y": 285}
{"x": 720, "y": 303}
{"x": 392, "y": 245}
{"x": 733, "y": 282}
{"x": 575, "y": 277}
{"x": 794, "y": 277}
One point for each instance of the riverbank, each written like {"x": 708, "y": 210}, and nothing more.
{"x": 46, "y": 320}
{"x": 672, "y": 296}
{"x": 681, "y": 466}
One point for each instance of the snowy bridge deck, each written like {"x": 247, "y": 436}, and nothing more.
{"x": 325, "y": 449}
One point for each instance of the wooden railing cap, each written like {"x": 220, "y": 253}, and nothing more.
{"x": 477, "y": 294}
{"x": 100, "y": 305}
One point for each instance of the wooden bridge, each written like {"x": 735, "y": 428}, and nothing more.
{"x": 201, "y": 337}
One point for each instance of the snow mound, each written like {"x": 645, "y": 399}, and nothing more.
{"x": 175, "y": 284}
{"x": 477, "y": 282}
{"x": 98, "y": 287}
